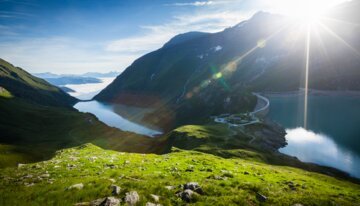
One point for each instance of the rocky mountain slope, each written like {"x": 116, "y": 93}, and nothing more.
{"x": 206, "y": 74}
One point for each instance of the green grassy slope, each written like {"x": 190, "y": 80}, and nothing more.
{"x": 30, "y": 132}
{"x": 30, "y": 88}
{"x": 224, "y": 181}
{"x": 259, "y": 143}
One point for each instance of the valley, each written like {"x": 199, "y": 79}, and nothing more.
{"x": 113, "y": 111}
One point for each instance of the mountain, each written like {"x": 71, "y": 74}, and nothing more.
{"x": 59, "y": 81}
{"x": 23, "y": 85}
{"x": 101, "y": 75}
{"x": 37, "y": 119}
{"x": 209, "y": 74}
{"x": 47, "y": 75}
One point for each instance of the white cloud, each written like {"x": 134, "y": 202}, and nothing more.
{"x": 62, "y": 55}
{"x": 157, "y": 35}
{"x": 196, "y": 3}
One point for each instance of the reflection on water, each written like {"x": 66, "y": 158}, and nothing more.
{"x": 309, "y": 146}
{"x": 106, "y": 114}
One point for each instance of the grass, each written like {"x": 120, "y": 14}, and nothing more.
{"x": 148, "y": 174}
{"x": 31, "y": 132}
{"x": 244, "y": 143}
{"x": 5, "y": 93}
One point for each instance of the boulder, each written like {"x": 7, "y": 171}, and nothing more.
{"x": 131, "y": 198}
{"x": 187, "y": 195}
{"x": 110, "y": 201}
{"x": 194, "y": 186}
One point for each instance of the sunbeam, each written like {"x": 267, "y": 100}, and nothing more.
{"x": 308, "y": 41}
{"x": 326, "y": 28}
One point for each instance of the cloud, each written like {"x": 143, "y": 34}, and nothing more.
{"x": 62, "y": 55}
{"x": 154, "y": 36}
{"x": 196, "y": 3}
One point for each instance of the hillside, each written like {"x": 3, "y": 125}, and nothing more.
{"x": 30, "y": 88}
{"x": 36, "y": 120}
{"x": 87, "y": 173}
{"x": 209, "y": 74}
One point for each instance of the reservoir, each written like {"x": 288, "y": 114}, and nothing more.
{"x": 332, "y": 136}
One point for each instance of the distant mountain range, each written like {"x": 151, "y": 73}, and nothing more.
{"x": 47, "y": 75}
{"x": 201, "y": 74}
{"x": 64, "y": 79}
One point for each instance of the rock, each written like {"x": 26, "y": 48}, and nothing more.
{"x": 115, "y": 190}
{"x": 76, "y": 186}
{"x": 45, "y": 175}
{"x": 107, "y": 201}
{"x": 170, "y": 187}
{"x": 156, "y": 198}
{"x": 110, "y": 201}
{"x": 187, "y": 195}
{"x": 132, "y": 198}
{"x": 260, "y": 197}
{"x": 112, "y": 180}
{"x": 297, "y": 204}
{"x": 191, "y": 185}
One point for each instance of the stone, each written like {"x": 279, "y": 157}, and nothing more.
{"x": 110, "y": 201}
{"x": 297, "y": 204}
{"x": 187, "y": 195}
{"x": 112, "y": 180}
{"x": 76, "y": 186}
{"x": 131, "y": 198}
{"x": 260, "y": 197}
{"x": 170, "y": 187}
{"x": 191, "y": 185}
{"x": 45, "y": 175}
{"x": 115, "y": 190}
{"x": 156, "y": 198}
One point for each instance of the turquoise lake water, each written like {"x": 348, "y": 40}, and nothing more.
{"x": 106, "y": 113}
{"x": 332, "y": 136}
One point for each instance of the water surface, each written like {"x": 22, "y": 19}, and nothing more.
{"x": 107, "y": 114}
{"x": 332, "y": 136}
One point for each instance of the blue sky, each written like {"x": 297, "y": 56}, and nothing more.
{"x": 77, "y": 36}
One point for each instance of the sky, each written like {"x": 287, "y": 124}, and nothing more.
{"x": 78, "y": 36}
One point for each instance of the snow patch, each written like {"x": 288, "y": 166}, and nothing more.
{"x": 217, "y": 48}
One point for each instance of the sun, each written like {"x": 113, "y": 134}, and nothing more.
{"x": 305, "y": 11}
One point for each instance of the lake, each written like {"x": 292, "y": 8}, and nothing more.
{"x": 107, "y": 113}
{"x": 332, "y": 136}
